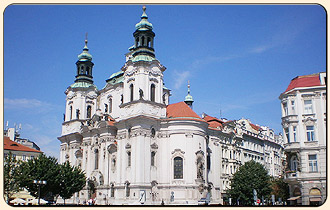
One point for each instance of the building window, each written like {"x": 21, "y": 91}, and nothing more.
{"x": 24, "y": 157}
{"x": 287, "y": 134}
{"x": 178, "y": 168}
{"x": 308, "y": 107}
{"x": 129, "y": 157}
{"x": 295, "y": 133}
{"x": 127, "y": 189}
{"x": 285, "y": 108}
{"x": 153, "y": 154}
{"x": 110, "y": 105}
{"x": 96, "y": 159}
{"x": 32, "y": 157}
{"x": 310, "y": 133}
{"x": 14, "y": 156}
{"x": 312, "y": 159}
{"x": 112, "y": 190}
{"x": 89, "y": 111}
{"x": 105, "y": 108}
{"x": 293, "y": 107}
{"x": 131, "y": 88}
{"x": 152, "y": 92}
{"x": 70, "y": 112}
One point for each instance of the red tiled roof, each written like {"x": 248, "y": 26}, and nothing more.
{"x": 12, "y": 145}
{"x": 255, "y": 127}
{"x": 213, "y": 121}
{"x": 304, "y": 81}
{"x": 181, "y": 110}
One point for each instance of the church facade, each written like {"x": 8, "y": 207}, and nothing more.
{"x": 136, "y": 148}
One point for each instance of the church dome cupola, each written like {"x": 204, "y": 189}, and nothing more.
{"x": 144, "y": 40}
{"x": 84, "y": 66}
{"x": 189, "y": 99}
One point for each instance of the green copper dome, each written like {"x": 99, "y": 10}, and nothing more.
{"x": 188, "y": 98}
{"x": 85, "y": 56}
{"x": 144, "y": 24}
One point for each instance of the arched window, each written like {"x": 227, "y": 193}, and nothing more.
{"x": 96, "y": 159}
{"x": 148, "y": 42}
{"x": 153, "y": 154}
{"x": 178, "y": 168}
{"x": 87, "y": 70}
{"x": 112, "y": 190}
{"x": 89, "y": 111}
{"x": 131, "y": 88}
{"x": 137, "y": 41}
{"x": 129, "y": 157}
{"x": 152, "y": 92}
{"x": 143, "y": 41}
{"x": 110, "y": 105}
{"x": 70, "y": 112}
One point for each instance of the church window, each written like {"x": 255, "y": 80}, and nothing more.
{"x": 129, "y": 157}
{"x": 153, "y": 154}
{"x": 148, "y": 41}
{"x": 127, "y": 189}
{"x": 106, "y": 108}
{"x": 110, "y": 105}
{"x": 143, "y": 41}
{"x": 89, "y": 111}
{"x": 70, "y": 112}
{"x": 137, "y": 41}
{"x": 153, "y": 133}
{"x": 178, "y": 168}
{"x": 112, "y": 190}
{"x": 131, "y": 88}
{"x": 121, "y": 99}
{"x": 152, "y": 92}
{"x": 96, "y": 159}
{"x": 87, "y": 70}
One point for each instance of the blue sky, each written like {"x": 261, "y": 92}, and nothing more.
{"x": 238, "y": 58}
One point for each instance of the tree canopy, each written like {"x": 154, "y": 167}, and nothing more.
{"x": 10, "y": 172}
{"x": 251, "y": 175}
{"x": 71, "y": 180}
{"x": 62, "y": 179}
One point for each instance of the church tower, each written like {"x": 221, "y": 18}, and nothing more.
{"x": 144, "y": 92}
{"x": 81, "y": 101}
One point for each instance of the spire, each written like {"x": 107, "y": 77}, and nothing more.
{"x": 143, "y": 49}
{"x": 84, "y": 56}
{"x": 189, "y": 99}
{"x": 84, "y": 65}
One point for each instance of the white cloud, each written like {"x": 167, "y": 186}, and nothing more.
{"x": 21, "y": 103}
{"x": 180, "y": 78}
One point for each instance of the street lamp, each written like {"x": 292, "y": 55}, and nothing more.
{"x": 39, "y": 182}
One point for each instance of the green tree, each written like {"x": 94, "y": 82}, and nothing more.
{"x": 251, "y": 175}
{"x": 10, "y": 172}
{"x": 280, "y": 189}
{"x": 40, "y": 168}
{"x": 71, "y": 179}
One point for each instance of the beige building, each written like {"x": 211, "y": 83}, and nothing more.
{"x": 304, "y": 127}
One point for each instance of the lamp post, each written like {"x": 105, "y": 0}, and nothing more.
{"x": 39, "y": 182}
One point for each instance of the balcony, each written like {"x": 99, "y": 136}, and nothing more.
{"x": 292, "y": 146}
{"x": 290, "y": 119}
{"x": 291, "y": 175}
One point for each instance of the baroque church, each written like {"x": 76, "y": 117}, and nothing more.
{"x": 135, "y": 147}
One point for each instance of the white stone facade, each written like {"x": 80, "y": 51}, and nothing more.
{"x": 136, "y": 149}
{"x": 304, "y": 126}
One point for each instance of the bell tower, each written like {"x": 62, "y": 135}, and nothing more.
{"x": 143, "y": 75}
{"x": 81, "y": 96}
